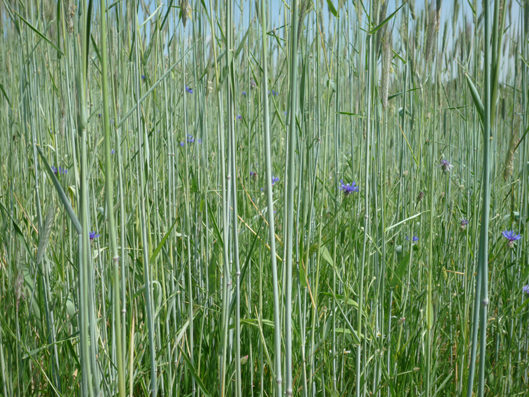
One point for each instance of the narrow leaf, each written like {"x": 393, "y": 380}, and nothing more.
{"x": 160, "y": 246}
{"x": 332, "y": 9}
{"x": 38, "y": 33}
{"x": 475, "y": 96}
{"x": 386, "y": 20}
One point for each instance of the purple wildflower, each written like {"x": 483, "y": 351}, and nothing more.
{"x": 93, "y": 235}
{"x": 182, "y": 144}
{"x": 445, "y": 165}
{"x": 189, "y": 90}
{"x": 239, "y": 117}
{"x": 190, "y": 138}
{"x": 274, "y": 180}
{"x": 511, "y": 236}
{"x": 112, "y": 151}
{"x": 525, "y": 289}
{"x": 464, "y": 224}
{"x": 349, "y": 188}
{"x": 244, "y": 93}
{"x": 143, "y": 77}
{"x": 59, "y": 170}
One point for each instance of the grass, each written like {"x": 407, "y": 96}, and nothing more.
{"x": 211, "y": 149}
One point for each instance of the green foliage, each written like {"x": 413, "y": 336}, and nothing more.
{"x": 206, "y": 261}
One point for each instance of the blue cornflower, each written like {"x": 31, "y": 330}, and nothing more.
{"x": 239, "y": 117}
{"x": 286, "y": 112}
{"x": 112, "y": 151}
{"x": 415, "y": 239}
{"x": 199, "y": 141}
{"x": 464, "y": 224}
{"x": 189, "y": 90}
{"x": 349, "y": 188}
{"x": 511, "y": 236}
{"x": 244, "y": 93}
{"x": 182, "y": 144}
{"x": 190, "y": 138}
{"x": 275, "y": 93}
{"x": 445, "y": 165}
{"x": 525, "y": 289}
{"x": 253, "y": 174}
{"x": 143, "y": 77}
{"x": 274, "y": 180}
{"x": 59, "y": 170}
{"x": 93, "y": 235}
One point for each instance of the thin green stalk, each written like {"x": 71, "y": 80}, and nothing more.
{"x": 144, "y": 225}
{"x": 109, "y": 189}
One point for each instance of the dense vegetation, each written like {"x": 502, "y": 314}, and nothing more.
{"x": 198, "y": 198}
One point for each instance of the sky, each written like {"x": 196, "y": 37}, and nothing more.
{"x": 277, "y": 15}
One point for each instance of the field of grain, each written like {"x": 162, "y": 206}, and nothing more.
{"x": 264, "y": 198}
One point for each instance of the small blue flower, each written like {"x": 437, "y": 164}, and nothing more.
{"x": 93, "y": 235}
{"x": 525, "y": 289}
{"x": 274, "y": 180}
{"x": 286, "y": 112}
{"x": 182, "y": 144}
{"x": 112, "y": 151}
{"x": 511, "y": 236}
{"x": 239, "y": 117}
{"x": 349, "y": 188}
{"x": 244, "y": 93}
{"x": 464, "y": 224}
{"x": 415, "y": 239}
{"x": 189, "y": 90}
{"x": 190, "y": 138}
{"x": 59, "y": 170}
{"x": 199, "y": 141}
{"x": 143, "y": 77}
